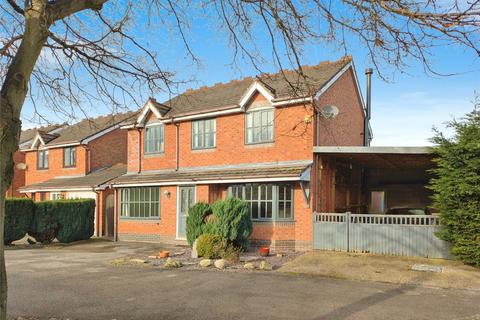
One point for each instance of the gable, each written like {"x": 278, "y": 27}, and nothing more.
{"x": 258, "y": 101}
{"x": 256, "y": 94}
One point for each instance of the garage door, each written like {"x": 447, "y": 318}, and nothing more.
{"x": 85, "y": 195}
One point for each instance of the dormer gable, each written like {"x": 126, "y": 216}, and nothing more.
{"x": 42, "y": 138}
{"x": 256, "y": 88}
{"x": 152, "y": 106}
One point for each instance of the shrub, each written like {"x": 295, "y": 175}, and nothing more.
{"x": 75, "y": 219}
{"x": 195, "y": 220}
{"x": 44, "y": 223}
{"x": 456, "y": 188}
{"x": 210, "y": 246}
{"x": 233, "y": 221}
{"x": 18, "y": 217}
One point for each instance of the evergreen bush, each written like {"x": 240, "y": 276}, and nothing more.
{"x": 195, "y": 220}
{"x": 18, "y": 217}
{"x": 456, "y": 187}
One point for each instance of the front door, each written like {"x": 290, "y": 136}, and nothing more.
{"x": 186, "y": 199}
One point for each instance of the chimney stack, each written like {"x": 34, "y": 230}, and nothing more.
{"x": 368, "y": 108}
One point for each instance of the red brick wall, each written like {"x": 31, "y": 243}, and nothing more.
{"x": 18, "y": 176}
{"x": 55, "y": 165}
{"x": 347, "y": 128}
{"x": 108, "y": 149}
{"x": 293, "y": 141}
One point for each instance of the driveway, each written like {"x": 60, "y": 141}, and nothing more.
{"x": 79, "y": 282}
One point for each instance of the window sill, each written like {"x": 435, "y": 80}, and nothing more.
{"x": 273, "y": 221}
{"x": 267, "y": 144}
{"x": 153, "y": 155}
{"x": 202, "y": 150}
{"x": 153, "y": 219}
{"x": 70, "y": 167}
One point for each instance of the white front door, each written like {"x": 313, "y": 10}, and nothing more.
{"x": 185, "y": 200}
{"x": 86, "y": 195}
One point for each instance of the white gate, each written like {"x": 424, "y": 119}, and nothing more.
{"x": 404, "y": 235}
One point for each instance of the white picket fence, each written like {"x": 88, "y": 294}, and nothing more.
{"x": 404, "y": 235}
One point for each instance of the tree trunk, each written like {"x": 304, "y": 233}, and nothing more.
{"x": 12, "y": 96}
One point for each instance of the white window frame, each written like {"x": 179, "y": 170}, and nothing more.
{"x": 200, "y": 136}
{"x": 240, "y": 191}
{"x": 142, "y": 203}
{"x": 56, "y": 196}
{"x": 161, "y": 138}
{"x": 252, "y": 128}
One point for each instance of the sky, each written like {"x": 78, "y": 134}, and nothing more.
{"x": 404, "y": 108}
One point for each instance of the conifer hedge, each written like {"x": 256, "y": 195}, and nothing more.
{"x": 456, "y": 187}
{"x": 18, "y": 216}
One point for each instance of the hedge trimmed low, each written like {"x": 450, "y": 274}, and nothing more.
{"x": 18, "y": 216}
{"x": 44, "y": 225}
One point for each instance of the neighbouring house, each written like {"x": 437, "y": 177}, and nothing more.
{"x": 78, "y": 161}
{"x": 251, "y": 138}
{"x": 26, "y": 138}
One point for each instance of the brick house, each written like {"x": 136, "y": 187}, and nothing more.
{"x": 251, "y": 138}
{"x": 77, "y": 161}
{"x": 26, "y": 138}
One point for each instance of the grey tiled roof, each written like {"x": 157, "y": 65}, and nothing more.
{"x": 93, "y": 179}
{"x": 282, "y": 85}
{"x": 252, "y": 172}
{"x": 29, "y": 134}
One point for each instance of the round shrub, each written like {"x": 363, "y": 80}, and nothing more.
{"x": 232, "y": 221}
{"x": 210, "y": 246}
{"x": 18, "y": 217}
{"x": 195, "y": 220}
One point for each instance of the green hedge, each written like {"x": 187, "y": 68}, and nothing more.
{"x": 67, "y": 220}
{"x": 18, "y": 216}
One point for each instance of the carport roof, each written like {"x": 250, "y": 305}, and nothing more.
{"x": 91, "y": 180}
{"x": 381, "y": 157}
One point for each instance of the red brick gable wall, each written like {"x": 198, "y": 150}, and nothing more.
{"x": 347, "y": 128}
{"x": 108, "y": 149}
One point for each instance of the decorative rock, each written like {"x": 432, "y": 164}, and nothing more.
{"x": 194, "y": 250}
{"x": 249, "y": 265}
{"x": 205, "y": 263}
{"x": 245, "y": 258}
{"x": 264, "y": 265}
{"x": 427, "y": 268}
{"x": 172, "y": 263}
{"x": 220, "y": 264}
{"x": 137, "y": 261}
{"x": 31, "y": 241}
{"x": 279, "y": 255}
{"x": 178, "y": 253}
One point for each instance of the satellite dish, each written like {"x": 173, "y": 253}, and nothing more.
{"x": 329, "y": 112}
{"x": 21, "y": 166}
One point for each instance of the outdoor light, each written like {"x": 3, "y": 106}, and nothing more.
{"x": 166, "y": 193}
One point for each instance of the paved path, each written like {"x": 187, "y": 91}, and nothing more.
{"x": 77, "y": 283}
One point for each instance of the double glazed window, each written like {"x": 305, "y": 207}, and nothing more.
{"x": 141, "y": 202}
{"x": 56, "y": 196}
{"x": 42, "y": 159}
{"x": 154, "y": 139}
{"x": 203, "y": 134}
{"x": 267, "y": 201}
{"x": 69, "y": 157}
{"x": 259, "y": 126}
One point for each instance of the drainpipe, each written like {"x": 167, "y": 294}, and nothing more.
{"x": 177, "y": 144}
{"x": 368, "y": 109}
{"x": 115, "y": 215}
{"x": 97, "y": 218}
{"x": 139, "y": 150}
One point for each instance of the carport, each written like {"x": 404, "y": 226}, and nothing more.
{"x": 371, "y": 179}
{"x": 375, "y": 200}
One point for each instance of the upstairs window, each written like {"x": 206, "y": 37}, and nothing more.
{"x": 154, "y": 139}
{"x": 204, "y": 134}
{"x": 259, "y": 126}
{"x": 42, "y": 159}
{"x": 69, "y": 157}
